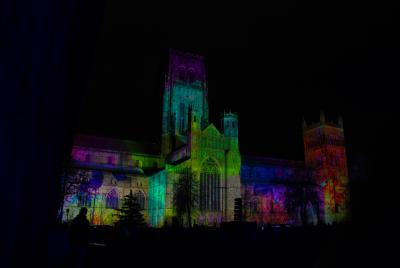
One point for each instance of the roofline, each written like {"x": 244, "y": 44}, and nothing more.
{"x": 106, "y": 167}
{"x": 110, "y": 138}
{"x": 113, "y": 151}
{"x": 185, "y": 53}
{"x": 319, "y": 125}
{"x": 116, "y": 140}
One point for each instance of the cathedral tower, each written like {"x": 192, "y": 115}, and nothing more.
{"x": 185, "y": 89}
{"x": 325, "y": 154}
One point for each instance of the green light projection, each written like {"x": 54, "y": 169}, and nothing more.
{"x": 157, "y": 191}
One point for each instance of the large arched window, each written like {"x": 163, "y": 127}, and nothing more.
{"x": 112, "y": 199}
{"x": 210, "y": 180}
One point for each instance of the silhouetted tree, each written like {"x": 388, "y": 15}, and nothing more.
{"x": 130, "y": 213}
{"x": 186, "y": 196}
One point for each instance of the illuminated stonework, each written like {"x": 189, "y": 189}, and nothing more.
{"x": 273, "y": 191}
{"x": 325, "y": 154}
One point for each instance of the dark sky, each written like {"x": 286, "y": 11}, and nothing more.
{"x": 270, "y": 64}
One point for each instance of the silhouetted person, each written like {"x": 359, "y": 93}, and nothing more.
{"x": 79, "y": 234}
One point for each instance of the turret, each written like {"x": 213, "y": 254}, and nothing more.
{"x": 230, "y": 129}
{"x": 230, "y": 125}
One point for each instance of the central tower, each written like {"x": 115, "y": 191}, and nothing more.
{"x": 185, "y": 90}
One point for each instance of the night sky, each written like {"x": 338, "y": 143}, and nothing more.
{"x": 271, "y": 65}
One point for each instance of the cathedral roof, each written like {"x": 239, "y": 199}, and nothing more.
{"x": 111, "y": 144}
{"x": 211, "y": 130}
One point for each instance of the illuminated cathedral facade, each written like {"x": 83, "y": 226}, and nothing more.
{"x": 270, "y": 191}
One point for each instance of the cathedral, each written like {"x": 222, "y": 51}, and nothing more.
{"x": 198, "y": 176}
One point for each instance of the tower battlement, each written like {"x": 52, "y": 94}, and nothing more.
{"x": 184, "y": 54}
{"x": 186, "y": 67}
{"x": 322, "y": 123}
{"x": 229, "y": 114}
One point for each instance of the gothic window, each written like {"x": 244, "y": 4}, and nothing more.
{"x": 210, "y": 186}
{"x": 112, "y": 199}
{"x": 140, "y": 199}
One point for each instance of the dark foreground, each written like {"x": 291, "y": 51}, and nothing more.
{"x": 325, "y": 246}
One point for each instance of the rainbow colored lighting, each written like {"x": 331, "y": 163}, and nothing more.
{"x": 274, "y": 191}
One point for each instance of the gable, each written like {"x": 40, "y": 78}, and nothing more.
{"x": 211, "y": 131}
